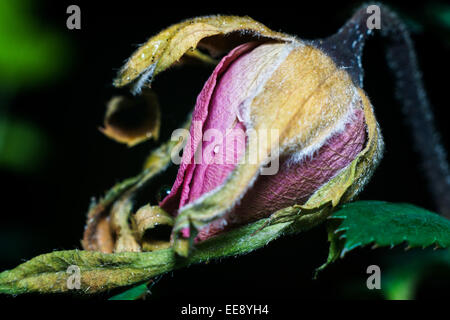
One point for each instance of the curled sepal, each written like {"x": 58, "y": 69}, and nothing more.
{"x": 98, "y": 235}
{"x": 132, "y": 120}
{"x": 99, "y": 227}
{"x": 170, "y": 45}
{"x": 152, "y": 226}
{"x": 120, "y": 214}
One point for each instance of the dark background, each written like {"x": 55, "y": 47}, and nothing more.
{"x": 43, "y": 207}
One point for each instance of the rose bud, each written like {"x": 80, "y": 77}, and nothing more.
{"x": 327, "y": 139}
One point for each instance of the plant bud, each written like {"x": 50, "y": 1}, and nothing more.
{"x": 324, "y": 140}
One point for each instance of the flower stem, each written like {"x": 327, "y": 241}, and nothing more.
{"x": 346, "y": 47}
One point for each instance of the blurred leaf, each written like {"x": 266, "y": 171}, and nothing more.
{"x": 389, "y": 224}
{"x": 412, "y": 23}
{"x": 134, "y": 293}
{"x": 22, "y": 145}
{"x": 28, "y": 52}
{"x": 439, "y": 13}
{"x": 401, "y": 284}
{"x": 405, "y": 273}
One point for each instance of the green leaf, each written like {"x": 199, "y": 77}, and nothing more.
{"x": 134, "y": 293}
{"x": 389, "y": 224}
{"x": 336, "y": 246}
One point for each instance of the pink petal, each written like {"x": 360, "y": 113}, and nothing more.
{"x": 216, "y": 107}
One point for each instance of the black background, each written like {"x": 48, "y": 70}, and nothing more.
{"x": 45, "y": 211}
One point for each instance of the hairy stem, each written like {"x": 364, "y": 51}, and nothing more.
{"x": 346, "y": 47}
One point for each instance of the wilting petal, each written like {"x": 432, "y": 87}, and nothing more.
{"x": 180, "y": 190}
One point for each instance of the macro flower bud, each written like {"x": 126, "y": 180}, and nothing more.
{"x": 327, "y": 139}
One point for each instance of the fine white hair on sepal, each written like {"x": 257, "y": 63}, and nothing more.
{"x": 299, "y": 152}
{"x": 244, "y": 109}
{"x": 144, "y": 78}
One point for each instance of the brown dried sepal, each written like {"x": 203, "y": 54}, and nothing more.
{"x": 152, "y": 227}
{"x": 133, "y": 120}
